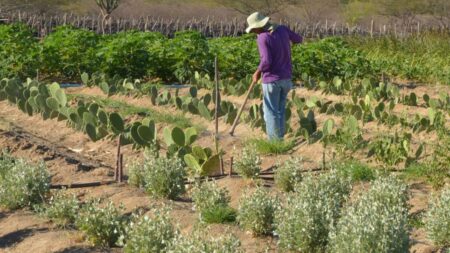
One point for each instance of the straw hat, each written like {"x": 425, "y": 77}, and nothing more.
{"x": 256, "y": 20}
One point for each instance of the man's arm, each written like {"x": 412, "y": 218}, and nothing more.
{"x": 264, "y": 54}
{"x": 295, "y": 38}
{"x": 265, "y": 58}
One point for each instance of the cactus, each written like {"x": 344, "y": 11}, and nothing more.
{"x": 85, "y": 79}
{"x": 204, "y": 111}
{"x": 193, "y": 92}
{"x": 145, "y": 133}
{"x": 178, "y": 136}
{"x": 135, "y": 134}
{"x": 89, "y": 118}
{"x": 179, "y": 103}
{"x": 178, "y": 141}
{"x": 117, "y": 123}
{"x": 192, "y": 108}
{"x": 93, "y": 108}
{"x": 153, "y": 95}
{"x": 52, "y": 103}
{"x": 201, "y": 161}
{"x": 105, "y": 87}
{"x": 102, "y": 117}
{"x": 91, "y": 132}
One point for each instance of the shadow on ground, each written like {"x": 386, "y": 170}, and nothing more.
{"x": 81, "y": 249}
{"x": 15, "y": 237}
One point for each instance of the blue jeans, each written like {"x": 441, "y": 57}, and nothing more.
{"x": 275, "y": 95}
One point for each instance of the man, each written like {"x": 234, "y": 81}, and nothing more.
{"x": 274, "y": 44}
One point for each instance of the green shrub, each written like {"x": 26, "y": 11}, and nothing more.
{"x": 264, "y": 146}
{"x": 235, "y": 63}
{"x": 187, "y": 53}
{"x": 62, "y": 208}
{"x": 102, "y": 225}
{"x": 208, "y": 194}
{"x": 356, "y": 170}
{"x": 328, "y": 58}
{"x": 304, "y": 222}
{"x": 376, "y": 222}
{"x": 21, "y": 183}
{"x": 256, "y": 211}
{"x": 137, "y": 170}
{"x": 164, "y": 177}
{"x": 437, "y": 221}
{"x": 205, "y": 243}
{"x": 145, "y": 234}
{"x": 131, "y": 54}
{"x": 69, "y": 52}
{"x": 19, "y": 51}
{"x": 219, "y": 214}
{"x": 288, "y": 174}
{"x": 212, "y": 203}
{"x": 249, "y": 162}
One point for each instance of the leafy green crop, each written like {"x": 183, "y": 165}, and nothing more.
{"x": 68, "y": 52}
{"x": 19, "y": 51}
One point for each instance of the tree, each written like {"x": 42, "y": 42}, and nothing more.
{"x": 440, "y": 10}
{"x": 403, "y": 10}
{"x": 267, "y": 7}
{"x": 39, "y": 6}
{"x": 107, "y": 7}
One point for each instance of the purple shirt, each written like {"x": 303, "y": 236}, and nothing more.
{"x": 275, "y": 53}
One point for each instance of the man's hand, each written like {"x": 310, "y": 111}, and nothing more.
{"x": 256, "y": 76}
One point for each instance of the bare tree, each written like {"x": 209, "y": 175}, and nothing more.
{"x": 267, "y": 7}
{"x": 38, "y": 6}
{"x": 440, "y": 10}
{"x": 314, "y": 11}
{"x": 107, "y": 7}
{"x": 405, "y": 11}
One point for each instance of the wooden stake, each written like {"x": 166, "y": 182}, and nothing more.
{"x": 216, "y": 113}
{"x": 121, "y": 168}
{"x": 116, "y": 172}
{"x": 231, "y": 166}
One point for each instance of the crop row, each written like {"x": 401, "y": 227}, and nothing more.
{"x": 370, "y": 101}
{"x": 315, "y": 215}
{"x": 50, "y": 102}
{"x": 67, "y": 53}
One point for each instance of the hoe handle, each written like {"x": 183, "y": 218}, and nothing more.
{"x": 236, "y": 120}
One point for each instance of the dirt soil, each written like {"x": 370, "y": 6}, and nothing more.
{"x": 72, "y": 158}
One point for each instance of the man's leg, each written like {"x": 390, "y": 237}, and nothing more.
{"x": 271, "y": 94}
{"x": 286, "y": 86}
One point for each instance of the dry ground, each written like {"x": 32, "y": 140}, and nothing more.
{"x": 72, "y": 158}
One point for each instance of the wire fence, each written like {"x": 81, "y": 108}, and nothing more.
{"x": 209, "y": 26}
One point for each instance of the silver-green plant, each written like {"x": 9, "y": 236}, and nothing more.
{"x": 257, "y": 210}
{"x": 304, "y": 222}
{"x": 437, "y": 219}
{"x": 164, "y": 177}
{"x": 249, "y": 163}
{"x": 376, "y": 222}
{"x": 22, "y": 184}
{"x": 202, "y": 241}
{"x": 149, "y": 234}
{"x": 102, "y": 224}
{"x": 209, "y": 195}
{"x": 138, "y": 169}
{"x": 288, "y": 174}
{"x": 62, "y": 208}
